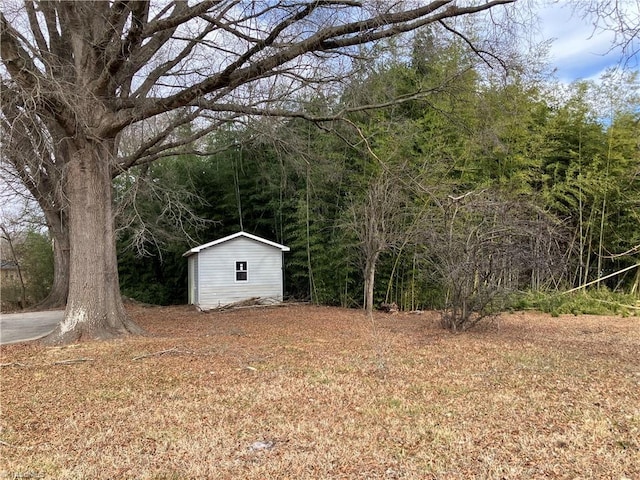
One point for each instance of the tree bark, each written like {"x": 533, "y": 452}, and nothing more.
{"x": 94, "y": 308}
{"x": 369, "y": 282}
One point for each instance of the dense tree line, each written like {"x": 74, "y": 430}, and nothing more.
{"x": 465, "y": 182}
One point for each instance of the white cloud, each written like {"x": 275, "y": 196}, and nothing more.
{"x": 579, "y": 50}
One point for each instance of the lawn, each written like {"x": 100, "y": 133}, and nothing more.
{"x": 305, "y": 392}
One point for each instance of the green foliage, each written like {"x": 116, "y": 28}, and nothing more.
{"x": 593, "y": 301}
{"x": 35, "y": 257}
{"x": 153, "y": 280}
{"x": 455, "y": 132}
{"x": 407, "y": 278}
{"x": 37, "y": 265}
{"x": 159, "y": 219}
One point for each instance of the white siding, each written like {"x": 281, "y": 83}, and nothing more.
{"x": 193, "y": 279}
{"x": 216, "y": 270}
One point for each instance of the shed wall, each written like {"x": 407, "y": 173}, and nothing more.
{"x": 216, "y": 272}
{"x": 193, "y": 279}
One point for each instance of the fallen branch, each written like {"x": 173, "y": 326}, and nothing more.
{"x": 242, "y": 303}
{"x": 261, "y": 305}
{"x": 156, "y": 354}
{"x": 602, "y": 278}
{"x": 253, "y": 302}
{"x": 12, "y": 364}
{"x": 617, "y": 303}
{"x": 72, "y": 361}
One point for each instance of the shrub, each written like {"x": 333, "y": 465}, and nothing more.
{"x": 584, "y": 302}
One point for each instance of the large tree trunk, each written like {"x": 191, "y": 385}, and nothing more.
{"x": 59, "y": 231}
{"x": 94, "y": 308}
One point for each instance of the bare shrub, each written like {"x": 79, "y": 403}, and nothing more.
{"x": 484, "y": 248}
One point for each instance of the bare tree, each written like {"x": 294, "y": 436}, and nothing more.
{"x": 31, "y": 160}
{"x": 618, "y": 16}
{"x": 153, "y": 209}
{"x": 381, "y": 221}
{"x": 31, "y": 167}
{"x": 88, "y": 70}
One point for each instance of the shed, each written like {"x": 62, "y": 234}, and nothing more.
{"x": 235, "y": 268}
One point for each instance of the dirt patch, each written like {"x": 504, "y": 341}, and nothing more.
{"x": 316, "y": 392}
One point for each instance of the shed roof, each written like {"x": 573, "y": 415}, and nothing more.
{"x": 195, "y": 250}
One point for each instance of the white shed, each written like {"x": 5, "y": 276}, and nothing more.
{"x": 235, "y": 268}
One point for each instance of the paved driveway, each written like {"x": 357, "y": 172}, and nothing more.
{"x": 22, "y": 327}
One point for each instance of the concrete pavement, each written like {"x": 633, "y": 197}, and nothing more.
{"x": 23, "y": 327}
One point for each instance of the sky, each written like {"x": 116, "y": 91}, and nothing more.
{"x": 578, "y": 51}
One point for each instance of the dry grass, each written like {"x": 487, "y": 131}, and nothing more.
{"x": 310, "y": 392}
